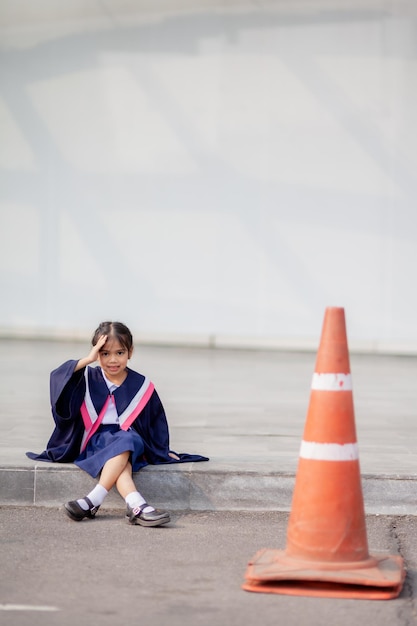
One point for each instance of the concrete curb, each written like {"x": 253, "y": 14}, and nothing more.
{"x": 196, "y": 487}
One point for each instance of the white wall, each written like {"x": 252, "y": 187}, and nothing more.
{"x": 220, "y": 173}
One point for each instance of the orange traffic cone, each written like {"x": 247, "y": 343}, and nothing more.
{"x": 327, "y": 548}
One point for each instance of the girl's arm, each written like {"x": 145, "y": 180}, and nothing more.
{"x": 93, "y": 356}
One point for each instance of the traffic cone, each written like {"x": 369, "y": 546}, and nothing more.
{"x": 327, "y": 549}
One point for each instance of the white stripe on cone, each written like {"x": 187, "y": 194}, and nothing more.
{"x": 329, "y": 451}
{"x": 332, "y": 382}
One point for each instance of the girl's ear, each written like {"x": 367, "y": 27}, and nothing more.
{"x": 130, "y": 353}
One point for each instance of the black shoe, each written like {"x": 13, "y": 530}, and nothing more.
{"x": 77, "y": 513}
{"x": 153, "y": 518}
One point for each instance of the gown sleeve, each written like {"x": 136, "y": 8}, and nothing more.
{"x": 152, "y": 426}
{"x": 67, "y": 390}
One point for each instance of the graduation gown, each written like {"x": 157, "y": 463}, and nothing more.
{"x": 69, "y": 404}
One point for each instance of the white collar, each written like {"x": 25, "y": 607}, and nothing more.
{"x": 110, "y": 385}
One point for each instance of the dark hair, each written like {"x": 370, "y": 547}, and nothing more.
{"x": 115, "y": 330}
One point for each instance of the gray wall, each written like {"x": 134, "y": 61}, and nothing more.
{"x": 215, "y": 172}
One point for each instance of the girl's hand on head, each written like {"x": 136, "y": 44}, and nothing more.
{"x": 93, "y": 356}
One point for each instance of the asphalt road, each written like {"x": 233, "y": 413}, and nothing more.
{"x": 55, "y": 572}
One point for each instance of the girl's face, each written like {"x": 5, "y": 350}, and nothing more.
{"x": 113, "y": 358}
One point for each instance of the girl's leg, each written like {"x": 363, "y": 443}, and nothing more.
{"x": 118, "y": 471}
{"x": 138, "y": 510}
{"x": 127, "y": 489}
{"x": 124, "y": 483}
{"x": 87, "y": 507}
{"x": 113, "y": 469}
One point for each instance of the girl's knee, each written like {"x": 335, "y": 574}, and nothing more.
{"x": 120, "y": 461}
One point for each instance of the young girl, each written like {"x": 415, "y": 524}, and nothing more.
{"x": 110, "y": 422}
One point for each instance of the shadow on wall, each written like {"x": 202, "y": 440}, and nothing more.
{"x": 70, "y": 192}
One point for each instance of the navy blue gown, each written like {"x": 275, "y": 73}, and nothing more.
{"x": 147, "y": 437}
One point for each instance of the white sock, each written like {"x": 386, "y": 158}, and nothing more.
{"x": 96, "y": 496}
{"x": 135, "y": 499}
